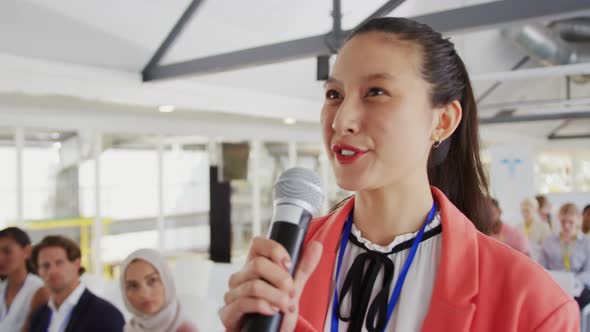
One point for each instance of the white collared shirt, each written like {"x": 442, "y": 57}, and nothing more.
{"x": 537, "y": 233}
{"x": 13, "y": 318}
{"x": 414, "y": 301}
{"x": 60, "y": 317}
{"x": 552, "y": 258}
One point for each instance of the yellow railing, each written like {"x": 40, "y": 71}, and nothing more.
{"x": 85, "y": 225}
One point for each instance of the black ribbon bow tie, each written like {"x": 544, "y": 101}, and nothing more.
{"x": 359, "y": 282}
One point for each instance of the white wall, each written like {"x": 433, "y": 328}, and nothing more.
{"x": 512, "y": 177}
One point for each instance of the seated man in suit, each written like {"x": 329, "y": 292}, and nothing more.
{"x": 71, "y": 307}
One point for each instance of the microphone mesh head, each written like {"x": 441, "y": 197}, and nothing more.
{"x": 299, "y": 184}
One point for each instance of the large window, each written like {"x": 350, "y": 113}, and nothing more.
{"x": 7, "y": 177}
{"x": 129, "y": 179}
{"x": 128, "y": 183}
{"x": 583, "y": 173}
{"x": 186, "y": 179}
{"x": 554, "y": 173}
{"x": 50, "y": 182}
{"x": 130, "y": 197}
{"x": 563, "y": 172}
{"x": 60, "y": 175}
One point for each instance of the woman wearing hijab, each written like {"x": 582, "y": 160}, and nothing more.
{"x": 150, "y": 294}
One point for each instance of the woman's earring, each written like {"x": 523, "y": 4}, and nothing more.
{"x": 436, "y": 143}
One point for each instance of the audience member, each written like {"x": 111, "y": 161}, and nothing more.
{"x": 71, "y": 307}
{"x": 545, "y": 211}
{"x": 586, "y": 220}
{"x": 23, "y": 291}
{"x": 149, "y": 293}
{"x": 570, "y": 251}
{"x": 505, "y": 233}
{"x": 534, "y": 229}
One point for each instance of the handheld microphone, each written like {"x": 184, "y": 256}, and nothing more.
{"x": 297, "y": 196}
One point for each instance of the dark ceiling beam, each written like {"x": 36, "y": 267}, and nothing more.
{"x": 170, "y": 39}
{"x": 460, "y": 20}
{"x": 566, "y": 137}
{"x": 275, "y": 53}
{"x": 502, "y": 119}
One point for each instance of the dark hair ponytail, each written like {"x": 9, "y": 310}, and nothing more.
{"x": 455, "y": 166}
{"x": 22, "y": 239}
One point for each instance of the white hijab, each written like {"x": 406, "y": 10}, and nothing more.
{"x": 170, "y": 317}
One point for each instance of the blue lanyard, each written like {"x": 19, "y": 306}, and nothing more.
{"x": 400, "y": 280}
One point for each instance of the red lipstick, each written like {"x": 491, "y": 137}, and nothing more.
{"x": 347, "y": 154}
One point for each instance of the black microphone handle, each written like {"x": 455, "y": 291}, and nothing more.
{"x": 291, "y": 236}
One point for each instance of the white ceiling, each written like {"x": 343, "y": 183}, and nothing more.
{"x": 123, "y": 35}
{"x": 95, "y": 50}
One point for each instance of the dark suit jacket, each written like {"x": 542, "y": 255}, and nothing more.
{"x": 90, "y": 314}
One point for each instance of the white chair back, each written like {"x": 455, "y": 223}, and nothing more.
{"x": 112, "y": 293}
{"x": 218, "y": 281}
{"x": 191, "y": 275}
{"x": 202, "y": 312}
{"x": 564, "y": 279}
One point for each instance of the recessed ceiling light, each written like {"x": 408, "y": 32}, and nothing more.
{"x": 290, "y": 121}
{"x": 57, "y": 145}
{"x": 166, "y": 108}
{"x": 55, "y": 135}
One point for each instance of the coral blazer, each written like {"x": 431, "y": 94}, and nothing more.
{"x": 481, "y": 284}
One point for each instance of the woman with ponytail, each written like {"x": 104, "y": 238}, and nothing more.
{"x": 22, "y": 292}
{"x": 407, "y": 252}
